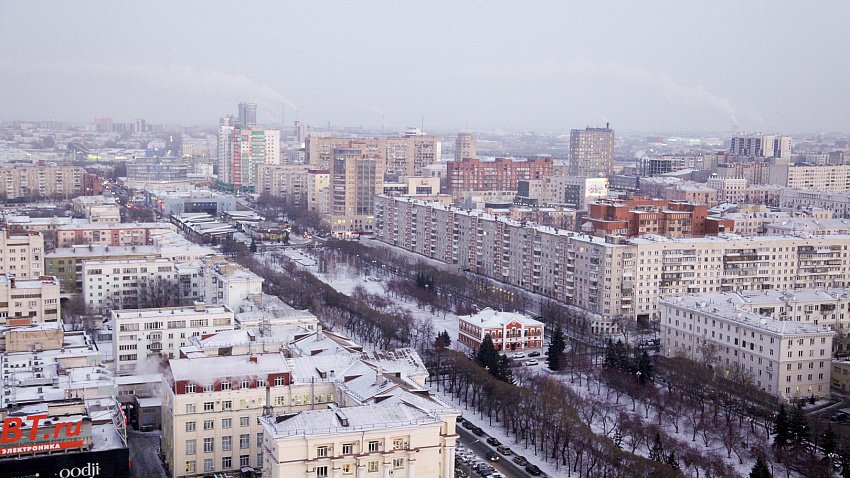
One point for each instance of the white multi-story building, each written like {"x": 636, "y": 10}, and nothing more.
{"x": 129, "y": 283}
{"x": 286, "y": 181}
{"x": 382, "y": 440}
{"x": 21, "y": 256}
{"x": 138, "y": 334}
{"x": 728, "y": 189}
{"x": 786, "y": 358}
{"x": 229, "y": 284}
{"x": 761, "y": 146}
{"x": 25, "y": 302}
{"x": 612, "y": 276}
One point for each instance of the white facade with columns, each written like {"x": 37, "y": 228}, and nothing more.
{"x": 394, "y": 440}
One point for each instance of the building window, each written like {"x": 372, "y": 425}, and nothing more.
{"x": 260, "y": 439}
{"x": 190, "y": 447}
{"x": 244, "y": 441}
{"x": 226, "y": 443}
{"x": 373, "y": 445}
{"x": 209, "y": 445}
{"x": 398, "y": 443}
{"x": 279, "y": 381}
{"x": 347, "y": 448}
{"x": 190, "y": 467}
{"x": 322, "y": 451}
{"x": 373, "y": 466}
{"x": 208, "y": 464}
{"x": 209, "y": 406}
{"x": 227, "y": 405}
{"x": 208, "y": 425}
{"x": 347, "y": 468}
{"x": 245, "y": 384}
{"x": 243, "y": 421}
{"x": 226, "y": 462}
{"x": 280, "y": 401}
{"x": 190, "y": 426}
{"x": 322, "y": 471}
{"x": 398, "y": 463}
{"x": 190, "y": 388}
{"x": 226, "y": 422}
{"x": 190, "y": 408}
{"x": 244, "y": 460}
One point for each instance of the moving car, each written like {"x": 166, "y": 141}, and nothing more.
{"x": 519, "y": 355}
{"x": 493, "y": 442}
{"x": 493, "y": 456}
{"x": 529, "y": 363}
{"x": 534, "y": 354}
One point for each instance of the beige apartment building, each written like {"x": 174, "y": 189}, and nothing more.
{"x": 26, "y": 302}
{"x": 465, "y": 147}
{"x": 611, "y": 276}
{"x": 591, "y": 152}
{"x": 123, "y": 234}
{"x": 41, "y": 181}
{"x": 786, "y": 358}
{"x": 395, "y": 440}
{"x": 287, "y": 181}
{"x": 398, "y": 157}
{"x": 22, "y": 255}
{"x": 318, "y": 191}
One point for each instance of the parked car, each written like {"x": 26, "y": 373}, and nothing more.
{"x": 519, "y": 355}
{"x": 534, "y": 354}
{"x": 529, "y": 363}
{"x": 495, "y": 474}
{"x": 467, "y": 424}
{"x": 493, "y": 442}
{"x": 493, "y": 456}
{"x": 477, "y": 431}
{"x": 533, "y": 470}
{"x": 520, "y": 460}
{"x": 504, "y": 450}
{"x": 460, "y": 419}
{"x": 839, "y": 417}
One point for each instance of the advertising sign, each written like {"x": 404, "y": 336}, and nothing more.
{"x": 35, "y": 434}
{"x": 93, "y": 464}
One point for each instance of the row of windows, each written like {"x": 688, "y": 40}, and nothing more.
{"x": 226, "y": 443}
{"x": 226, "y": 463}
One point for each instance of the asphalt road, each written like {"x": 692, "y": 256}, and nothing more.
{"x": 144, "y": 455}
{"x": 480, "y": 447}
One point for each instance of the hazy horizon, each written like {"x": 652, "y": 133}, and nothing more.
{"x": 547, "y": 66}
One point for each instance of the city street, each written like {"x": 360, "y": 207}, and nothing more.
{"x": 144, "y": 455}
{"x": 480, "y": 447}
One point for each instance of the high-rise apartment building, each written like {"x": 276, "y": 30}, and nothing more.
{"x": 247, "y": 114}
{"x": 591, "y": 152}
{"x": 761, "y": 146}
{"x": 354, "y": 184}
{"x": 242, "y": 149}
{"x": 287, "y": 181}
{"x": 318, "y": 190}
{"x": 399, "y": 157}
{"x": 465, "y": 147}
{"x": 26, "y": 302}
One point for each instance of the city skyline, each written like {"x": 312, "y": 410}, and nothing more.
{"x": 552, "y": 67}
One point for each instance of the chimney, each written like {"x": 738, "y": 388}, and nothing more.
{"x": 253, "y": 358}
{"x": 379, "y": 376}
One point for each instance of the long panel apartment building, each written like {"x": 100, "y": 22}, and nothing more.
{"x": 610, "y": 276}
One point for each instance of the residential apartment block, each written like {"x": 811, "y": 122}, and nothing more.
{"x": 26, "y": 302}
{"x": 21, "y": 255}
{"x": 229, "y": 284}
{"x": 124, "y": 234}
{"x": 501, "y": 174}
{"x": 761, "y": 146}
{"x": 66, "y": 263}
{"x": 139, "y": 334}
{"x": 129, "y": 283}
{"x": 241, "y": 149}
{"x": 466, "y": 147}
{"x": 837, "y": 202}
{"x": 612, "y": 276}
{"x": 397, "y": 157}
{"x": 786, "y": 358}
{"x": 287, "y": 181}
{"x": 41, "y": 181}
{"x": 591, "y": 152}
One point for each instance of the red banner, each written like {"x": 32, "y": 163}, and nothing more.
{"x": 40, "y": 447}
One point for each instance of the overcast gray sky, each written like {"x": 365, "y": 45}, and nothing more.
{"x": 662, "y": 66}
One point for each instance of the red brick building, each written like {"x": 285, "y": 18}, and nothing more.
{"x": 501, "y": 174}
{"x": 509, "y": 330}
{"x": 633, "y": 216}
